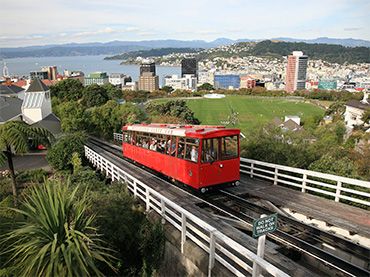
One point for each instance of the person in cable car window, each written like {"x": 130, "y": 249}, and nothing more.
{"x": 194, "y": 154}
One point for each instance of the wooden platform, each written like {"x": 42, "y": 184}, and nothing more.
{"x": 353, "y": 219}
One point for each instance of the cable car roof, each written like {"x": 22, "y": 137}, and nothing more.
{"x": 182, "y": 130}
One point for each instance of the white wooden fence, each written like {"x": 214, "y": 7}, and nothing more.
{"x": 218, "y": 246}
{"x": 339, "y": 188}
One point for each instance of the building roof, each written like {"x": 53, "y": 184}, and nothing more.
{"x": 10, "y": 108}
{"x": 180, "y": 130}
{"x": 33, "y": 100}
{"x": 291, "y": 125}
{"x": 37, "y": 85}
{"x": 10, "y": 90}
{"x": 51, "y": 123}
{"x": 20, "y": 83}
{"x": 358, "y": 104}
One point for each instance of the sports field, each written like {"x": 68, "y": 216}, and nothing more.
{"x": 253, "y": 111}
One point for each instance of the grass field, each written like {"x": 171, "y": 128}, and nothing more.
{"x": 253, "y": 111}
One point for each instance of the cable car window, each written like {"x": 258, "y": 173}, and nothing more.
{"x": 192, "y": 149}
{"x": 210, "y": 150}
{"x": 181, "y": 148}
{"x": 171, "y": 145}
{"x": 161, "y": 143}
{"x": 229, "y": 148}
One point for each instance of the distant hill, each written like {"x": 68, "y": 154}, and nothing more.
{"x": 118, "y": 47}
{"x": 350, "y": 42}
{"x": 152, "y": 53}
{"x": 327, "y": 52}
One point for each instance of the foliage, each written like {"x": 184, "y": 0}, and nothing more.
{"x": 136, "y": 96}
{"x": 366, "y": 116}
{"x": 67, "y": 90}
{"x": 56, "y": 237}
{"x": 152, "y": 246}
{"x": 206, "y": 86}
{"x": 73, "y": 116}
{"x": 76, "y": 162}
{"x": 167, "y": 89}
{"x": 94, "y": 95}
{"x": 32, "y": 176}
{"x": 15, "y": 137}
{"x": 327, "y": 52}
{"x": 152, "y": 52}
{"x": 177, "y": 108}
{"x": 60, "y": 154}
{"x": 111, "y": 116}
{"x": 113, "y": 92}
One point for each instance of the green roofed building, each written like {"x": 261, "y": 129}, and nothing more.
{"x": 99, "y": 78}
{"x": 327, "y": 84}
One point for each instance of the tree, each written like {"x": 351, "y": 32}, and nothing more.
{"x": 57, "y": 237}
{"x": 167, "y": 89}
{"x": 206, "y": 86}
{"x": 366, "y": 116}
{"x": 15, "y": 139}
{"x": 94, "y": 95}
{"x": 73, "y": 116}
{"x": 67, "y": 90}
{"x": 113, "y": 92}
{"x": 60, "y": 154}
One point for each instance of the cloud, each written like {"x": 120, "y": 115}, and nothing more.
{"x": 61, "y": 21}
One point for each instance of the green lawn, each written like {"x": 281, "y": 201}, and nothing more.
{"x": 253, "y": 111}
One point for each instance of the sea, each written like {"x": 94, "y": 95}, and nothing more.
{"x": 87, "y": 64}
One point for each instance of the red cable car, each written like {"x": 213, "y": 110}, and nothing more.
{"x": 199, "y": 156}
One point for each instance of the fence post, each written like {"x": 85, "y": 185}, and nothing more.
{"x": 252, "y": 167}
{"x": 212, "y": 249}
{"x": 276, "y": 176}
{"x": 135, "y": 188}
{"x": 183, "y": 232}
{"x": 260, "y": 253}
{"x": 337, "y": 193}
{"x": 147, "y": 199}
{"x": 163, "y": 211}
{"x": 304, "y": 182}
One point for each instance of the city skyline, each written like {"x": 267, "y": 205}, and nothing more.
{"x": 55, "y": 22}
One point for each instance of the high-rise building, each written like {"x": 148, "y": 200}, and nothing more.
{"x": 189, "y": 66}
{"x": 227, "y": 81}
{"x": 296, "y": 71}
{"x": 147, "y": 67}
{"x": 148, "y": 81}
{"x": 52, "y": 72}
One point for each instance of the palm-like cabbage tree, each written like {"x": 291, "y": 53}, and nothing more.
{"x": 14, "y": 139}
{"x": 57, "y": 237}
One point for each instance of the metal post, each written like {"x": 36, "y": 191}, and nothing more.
{"x": 337, "y": 193}
{"x": 252, "y": 167}
{"x": 260, "y": 253}
{"x": 304, "y": 182}
{"x": 212, "y": 249}
{"x": 276, "y": 176}
{"x": 183, "y": 232}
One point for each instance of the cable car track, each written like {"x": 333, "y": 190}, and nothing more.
{"x": 283, "y": 237}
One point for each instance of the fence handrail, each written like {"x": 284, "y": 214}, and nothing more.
{"x": 216, "y": 237}
{"x": 333, "y": 177}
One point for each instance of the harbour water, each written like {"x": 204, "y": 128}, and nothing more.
{"x": 87, "y": 64}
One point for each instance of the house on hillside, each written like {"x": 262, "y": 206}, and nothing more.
{"x": 10, "y": 90}
{"x": 355, "y": 110}
{"x": 290, "y": 123}
{"x": 35, "y": 109}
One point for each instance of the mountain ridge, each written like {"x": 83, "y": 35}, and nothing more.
{"x": 118, "y": 47}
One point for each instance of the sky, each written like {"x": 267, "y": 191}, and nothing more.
{"x": 40, "y": 22}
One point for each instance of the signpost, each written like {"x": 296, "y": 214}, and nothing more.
{"x": 262, "y": 226}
